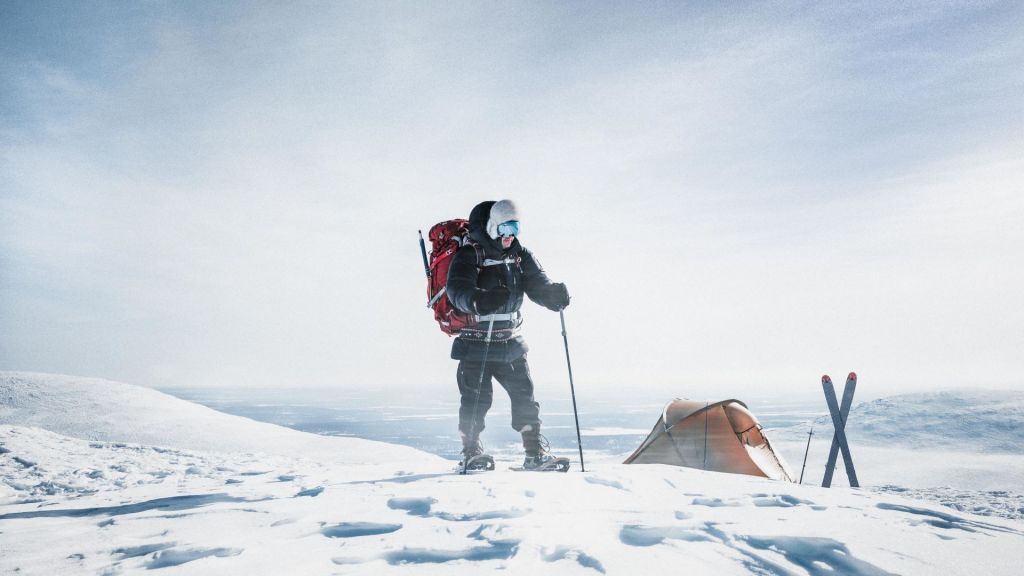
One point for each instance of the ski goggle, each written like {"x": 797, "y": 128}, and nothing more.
{"x": 510, "y": 228}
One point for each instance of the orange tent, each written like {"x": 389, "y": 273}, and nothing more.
{"x": 723, "y": 437}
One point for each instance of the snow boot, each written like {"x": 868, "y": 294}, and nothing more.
{"x": 473, "y": 455}
{"x": 537, "y": 457}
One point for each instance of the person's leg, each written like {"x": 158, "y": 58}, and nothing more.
{"x": 516, "y": 380}
{"x": 476, "y": 401}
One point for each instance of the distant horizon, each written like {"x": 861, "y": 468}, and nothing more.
{"x": 558, "y": 392}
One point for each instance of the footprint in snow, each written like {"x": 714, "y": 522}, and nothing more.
{"x": 422, "y": 507}
{"x": 355, "y": 529}
{"x": 715, "y": 502}
{"x": 23, "y": 462}
{"x": 778, "y": 500}
{"x": 144, "y": 550}
{"x": 637, "y": 535}
{"x": 413, "y": 506}
{"x": 310, "y": 492}
{"x": 175, "y": 557}
{"x": 581, "y": 558}
{"x": 605, "y": 482}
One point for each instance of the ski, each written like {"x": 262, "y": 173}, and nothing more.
{"x": 839, "y": 414}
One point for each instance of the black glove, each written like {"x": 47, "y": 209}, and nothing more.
{"x": 490, "y": 301}
{"x": 558, "y": 297}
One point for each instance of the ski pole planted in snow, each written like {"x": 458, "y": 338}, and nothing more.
{"x": 806, "y": 451}
{"x": 572, "y": 388}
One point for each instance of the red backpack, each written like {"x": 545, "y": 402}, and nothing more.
{"x": 445, "y": 239}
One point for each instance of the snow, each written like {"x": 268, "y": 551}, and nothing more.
{"x": 162, "y": 484}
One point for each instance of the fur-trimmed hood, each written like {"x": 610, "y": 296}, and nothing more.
{"x": 502, "y": 211}
{"x": 483, "y": 217}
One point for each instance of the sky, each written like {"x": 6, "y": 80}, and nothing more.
{"x": 740, "y": 196}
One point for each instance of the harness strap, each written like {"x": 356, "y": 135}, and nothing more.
{"x": 510, "y": 317}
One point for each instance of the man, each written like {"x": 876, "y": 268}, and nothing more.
{"x": 488, "y": 278}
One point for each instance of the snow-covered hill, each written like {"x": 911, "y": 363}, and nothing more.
{"x": 964, "y": 420}
{"x": 95, "y": 409}
{"x": 173, "y": 496}
{"x": 974, "y": 420}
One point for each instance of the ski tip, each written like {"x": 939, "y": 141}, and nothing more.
{"x": 825, "y": 378}
{"x": 852, "y": 376}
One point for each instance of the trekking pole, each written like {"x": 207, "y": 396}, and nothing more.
{"x": 572, "y": 388}
{"x": 806, "y": 451}
{"x": 479, "y": 389}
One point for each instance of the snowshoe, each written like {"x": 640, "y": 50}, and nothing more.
{"x": 477, "y": 463}
{"x": 537, "y": 457}
{"x": 473, "y": 456}
{"x": 543, "y": 462}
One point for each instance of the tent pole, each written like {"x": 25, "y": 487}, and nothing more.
{"x": 706, "y": 435}
{"x": 668, "y": 431}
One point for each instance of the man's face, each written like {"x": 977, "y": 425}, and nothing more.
{"x": 507, "y": 232}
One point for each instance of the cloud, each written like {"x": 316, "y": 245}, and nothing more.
{"x": 227, "y": 196}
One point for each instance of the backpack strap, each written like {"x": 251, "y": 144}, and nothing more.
{"x": 437, "y": 296}
{"x": 478, "y": 251}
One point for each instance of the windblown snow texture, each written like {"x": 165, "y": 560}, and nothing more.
{"x": 74, "y": 500}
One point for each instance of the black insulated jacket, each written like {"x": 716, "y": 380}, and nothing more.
{"x": 519, "y": 272}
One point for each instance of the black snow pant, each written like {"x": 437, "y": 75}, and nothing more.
{"x": 513, "y": 377}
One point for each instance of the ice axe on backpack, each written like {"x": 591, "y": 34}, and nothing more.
{"x": 423, "y": 251}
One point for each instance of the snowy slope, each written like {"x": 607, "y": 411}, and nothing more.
{"x": 95, "y": 409}
{"x": 81, "y": 505}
